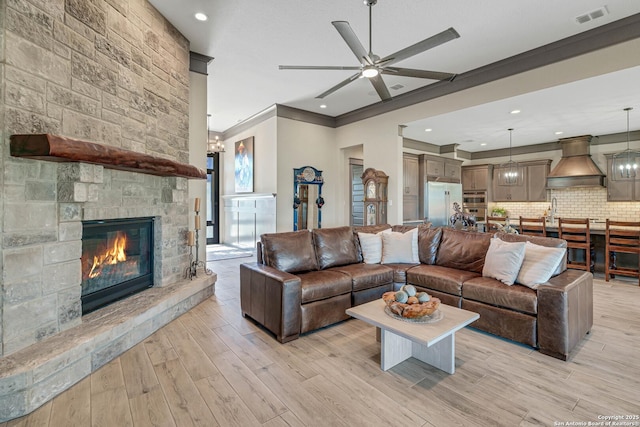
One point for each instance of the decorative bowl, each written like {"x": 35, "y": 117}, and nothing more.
{"x": 410, "y": 311}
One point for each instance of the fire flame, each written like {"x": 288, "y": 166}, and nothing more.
{"x": 113, "y": 255}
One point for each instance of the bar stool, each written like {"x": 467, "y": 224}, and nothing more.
{"x": 533, "y": 226}
{"x": 578, "y": 236}
{"x": 494, "y": 223}
{"x": 621, "y": 236}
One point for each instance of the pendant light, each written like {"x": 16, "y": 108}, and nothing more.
{"x": 214, "y": 146}
{"x": 510, "y": 173}
{"x": 624, "y": 165}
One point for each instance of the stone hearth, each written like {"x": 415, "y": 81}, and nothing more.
{"x": 32, "y": 376}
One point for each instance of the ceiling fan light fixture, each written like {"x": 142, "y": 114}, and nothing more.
{"x": 370, "y": 72}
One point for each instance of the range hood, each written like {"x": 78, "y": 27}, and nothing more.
{"x": 576, "y": 168}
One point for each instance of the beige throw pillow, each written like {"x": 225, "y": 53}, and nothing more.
{"x": 539, "y": 264}
{"x": 371, "y": 245}
{"x": 503, "y": 260}
{"x": 400, "y": 247}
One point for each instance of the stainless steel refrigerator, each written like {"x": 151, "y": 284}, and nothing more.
{"x": 438, "y": 201}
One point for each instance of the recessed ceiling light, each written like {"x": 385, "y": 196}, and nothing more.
{"x": 559, "y": 132}
{"x": 428, "y": 130}
{"x": 515, "y": 111}
{"x": 201, "y": 16}
{"x": 323, "y": 106}
{"x": 483, "y": 144}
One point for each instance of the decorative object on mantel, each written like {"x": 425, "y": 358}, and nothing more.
{"x": 244, "y": 165}
{"x": 510, "y": 173}
{"x": 193, "y": 240}
{"x": 624, "y": 165}
{"x": 214, "y": 146}
{"x": 55, "y": 148}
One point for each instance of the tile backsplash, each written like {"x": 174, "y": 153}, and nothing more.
{"x": 588, "y": 202}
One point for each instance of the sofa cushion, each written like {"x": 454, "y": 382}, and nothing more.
{"x": 365, "y": 276}
{"x": 318, "y": 285}
{"x": 463, "y": 250}
{"x": 335, "y": 246}
{"x": 440, "y": 278}
{"x": 292, "y": 251}
{"x": 400, "y": 247}
{"x": 503, "y": 260}
{"x": 539, "y": 264}
{"x": 428, "y": 242}
{"x": 494, "y": 292}
{"x": 400, "y": 271}
{"x": 373, "y": 229}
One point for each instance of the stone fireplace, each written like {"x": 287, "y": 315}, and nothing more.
{"x": 117, "y": 260}
{"x": 115, "y": 74}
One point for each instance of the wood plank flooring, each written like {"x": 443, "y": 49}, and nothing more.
{"x": 211, "y": 367}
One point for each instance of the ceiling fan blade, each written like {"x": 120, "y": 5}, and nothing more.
{"x": 426, "y": 44}
{"x": 422, "y": 74}
{"x": 318, "y": 67}
{"x": 352, "y": 41}
{"x": 380, "y": 87}
{"x": 339, "y": 85}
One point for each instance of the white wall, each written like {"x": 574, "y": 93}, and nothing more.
{"x": 198, "y": 153}
{"x": 305, "y": 144}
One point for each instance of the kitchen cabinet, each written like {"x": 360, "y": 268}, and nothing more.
{"x": 621, "y": 191}
{"x": 411, "y": 184}
{"x": 476, "y": 178}
{"x": 533, "y": 187}
{"x": 536, "y": 180}
{"x": 441, "y": 167}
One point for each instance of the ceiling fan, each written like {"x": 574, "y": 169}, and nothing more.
{"x": 372, "y": 66}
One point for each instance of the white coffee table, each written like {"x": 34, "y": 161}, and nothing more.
{"x": 432, "y": 343}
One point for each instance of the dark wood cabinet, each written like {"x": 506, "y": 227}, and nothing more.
{"x": 621, "y": 191}
{"x": 476, "y": 178}
{"x": 411, "y": 185}
{"x": 533, "y": 187}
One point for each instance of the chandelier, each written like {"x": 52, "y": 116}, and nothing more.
{"x": 213, "y": 146}
{"x": 624, "y": 165}
{"x": 510, "y": 173}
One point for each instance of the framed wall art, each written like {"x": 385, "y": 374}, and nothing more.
{"x": 243, "y": 166}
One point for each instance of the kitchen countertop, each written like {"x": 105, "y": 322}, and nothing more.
{"x": 595, "y": 227}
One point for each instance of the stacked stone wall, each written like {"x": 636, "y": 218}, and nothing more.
{"x": 108, "y": 71}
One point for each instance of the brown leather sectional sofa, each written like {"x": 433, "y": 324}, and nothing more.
{"x": 305, "y": 280}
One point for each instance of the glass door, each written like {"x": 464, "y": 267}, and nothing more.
{"x": 213, "y": 199}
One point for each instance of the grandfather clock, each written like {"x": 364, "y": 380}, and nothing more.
{"x": 375, "y": 196}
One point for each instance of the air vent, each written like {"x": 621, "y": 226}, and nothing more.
{"x": 396, "y": 87}
{"x": 594, "y": 14}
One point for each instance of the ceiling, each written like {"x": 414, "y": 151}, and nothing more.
{"x": 249, "y": 39}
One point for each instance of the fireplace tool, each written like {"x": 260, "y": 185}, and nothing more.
{"x": 193, "y": 240}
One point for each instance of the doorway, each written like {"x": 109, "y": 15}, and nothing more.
{"x": 213, "y": 198}
{"x": 356, "y": 169}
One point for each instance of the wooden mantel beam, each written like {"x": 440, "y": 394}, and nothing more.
{"x": 56, "y": 148}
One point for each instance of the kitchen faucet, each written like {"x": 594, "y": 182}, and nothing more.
{"x": 554, "y": 209}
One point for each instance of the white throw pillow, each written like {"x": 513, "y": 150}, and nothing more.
{"x": 539, "y": 264}
{"x": 503, "y": 260}
{"x": 371, "y": 245}
{"x": 400, "y": 247}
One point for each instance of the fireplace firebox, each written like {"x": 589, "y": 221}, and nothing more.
{"x": 117, "y": 260}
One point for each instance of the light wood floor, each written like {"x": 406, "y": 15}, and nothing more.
{"x": 211, "y": 367}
